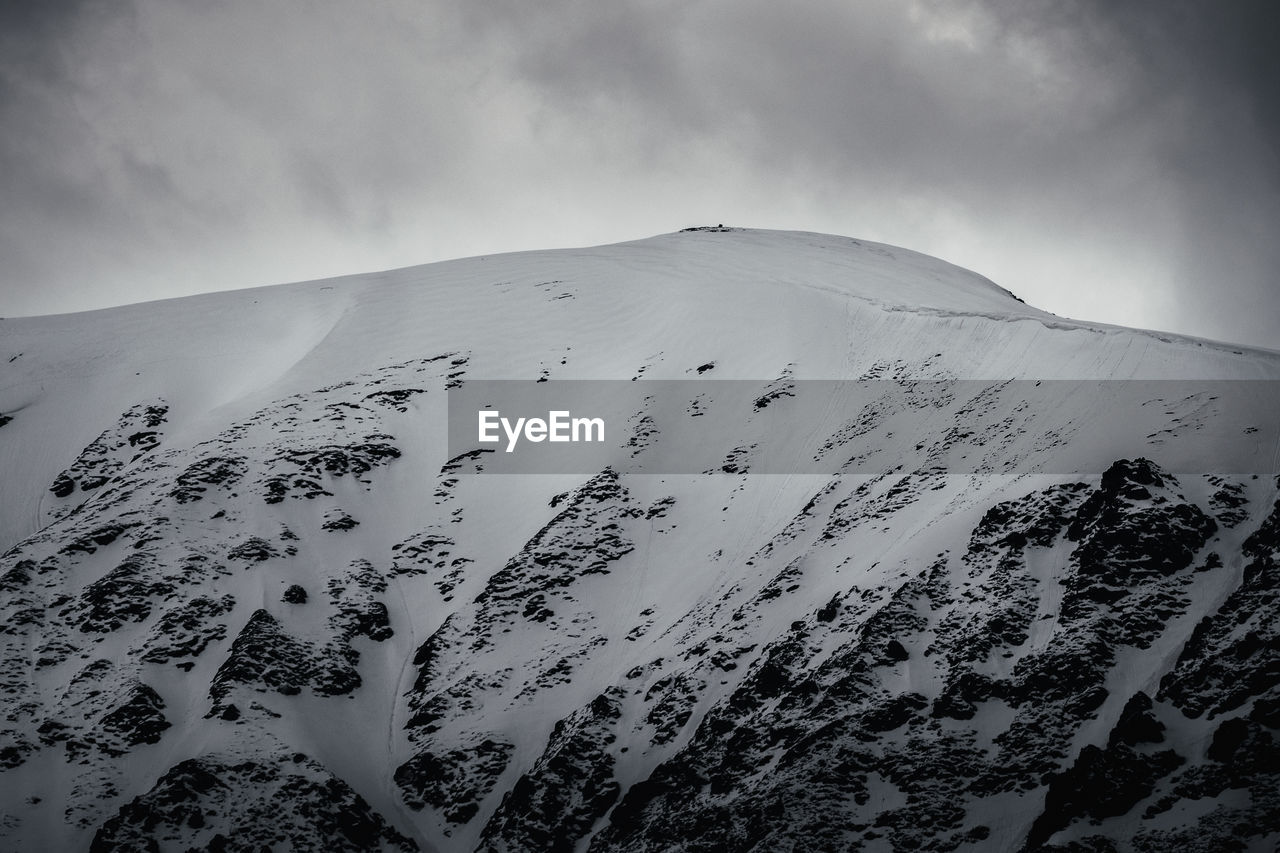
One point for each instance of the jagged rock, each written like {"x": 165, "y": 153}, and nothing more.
{"x": 1136, "y": 724}
{"x": 309, "y": 466}
{"x": 1101, "y": 784}
{"x": 221, "y": 471}
{"x": 454, "y": 782}
{"x": 140, "y": 719}
{"x": 254, "y": 549}
{"x": 111, "y": 452}
{"x": 339, "y": 521}
{"x": 123, "y": 595}
{"x": 554, "y": 804}
{"x": 187, "y": 630}
{"x": 265, "y": 657}
{"x": 1242, "y": 631}
{"x": 221, "y": 803}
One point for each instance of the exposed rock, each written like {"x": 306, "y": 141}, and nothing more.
{"x": 276, "y": 802}
{"x": 567, "y": 790}
{"x": 456, "y": 781}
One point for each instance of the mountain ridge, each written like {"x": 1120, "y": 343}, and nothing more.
{"x": 249, "y": 599}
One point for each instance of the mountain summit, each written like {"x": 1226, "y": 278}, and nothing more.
{"x": 251, "y": 600}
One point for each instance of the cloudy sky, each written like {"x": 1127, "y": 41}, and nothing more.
{"x": 1115, "y": 160}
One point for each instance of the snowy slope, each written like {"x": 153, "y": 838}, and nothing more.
{"x": 246, "y": 595}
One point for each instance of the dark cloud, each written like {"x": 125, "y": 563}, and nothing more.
{"x": 31, "y": 35}
{"x": 1118, "y": 156}
{"x": 40, "y": 146}
{"x": 1215, "y": 53}
{"x": 1206, "y": 78}
{"x": 1111, "y": 160}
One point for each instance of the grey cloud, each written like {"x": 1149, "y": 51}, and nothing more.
{"x": 32, "y": 37}
{"x": 1143, "y": 130}
{"x": 165, "y": 148}
{"x": 1206, "y": 78}
{"x": 1103, "y": 159}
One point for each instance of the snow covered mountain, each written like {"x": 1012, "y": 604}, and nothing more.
{"x": 251, "y": 601}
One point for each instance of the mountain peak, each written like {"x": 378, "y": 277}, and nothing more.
{"x": 253, "y": 598}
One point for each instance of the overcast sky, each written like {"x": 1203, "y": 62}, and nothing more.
{"x": 1112, "y": 160}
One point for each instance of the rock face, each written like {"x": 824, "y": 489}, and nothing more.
{"x": 255, "y": 601}
{"x": 211, "y": 804}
